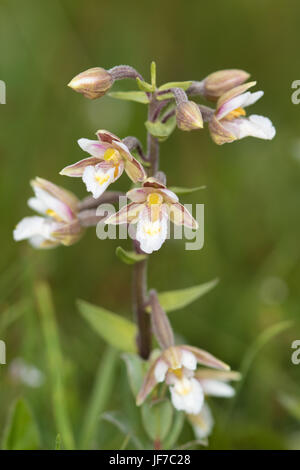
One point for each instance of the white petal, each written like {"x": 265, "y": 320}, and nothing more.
{"x": 151, "y": 235}
{"x": 37, "y": 205}
{"x": 187, "y": 395}
{"x": 202, "y": 423}
{"x": 255, "y": 126}
{"x": 160, "y": 371}
{"x": 30, "y": 226}
{"x": 59, "y": 208}
{"x": 252, "y": 98}
{"x": 93, "y": 147}
{"x": 236, "y": 102}
{"x": 188, "y": 360}
{"x": 216, "y": 388}
{"x": 98, "y": 178}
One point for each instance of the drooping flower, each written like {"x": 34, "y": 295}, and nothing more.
{"x": 109, "y": 158}
{"x": 151, "y": 208}
{"x": 213, "y": 383}
{"x": 58, "y": 222}
{"x": 229, "y": 122}
{"x": 176, "y": 366}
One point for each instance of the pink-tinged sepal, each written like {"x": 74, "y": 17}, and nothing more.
{"x": 135, "y": 170}
{"x": 179, "y": 215}
{"x": 125, "y": 215}
{"x": 76, "y": 170}
{"x": 205, "y": 358}
{"x": 94, "y": 147}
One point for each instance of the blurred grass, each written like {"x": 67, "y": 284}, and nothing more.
{"x": 252, "y": 226}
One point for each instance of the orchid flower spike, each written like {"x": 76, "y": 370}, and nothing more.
{"x": 109, "y": 157}
{"x": 151, "y": 208}
{"x": 57, "y": 225}
{"x": 229, "y": 123}
{"x": 176, "y": 366}
{"x": 214, "y": 383}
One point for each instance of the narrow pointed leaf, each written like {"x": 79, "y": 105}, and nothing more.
{"x": 177, "y": 299}
{"x": 144, "y": 86}
{"x": 21, "y": 432}
{"x": 179, "y": 191}
{"x": 153, "y": 74}
{"x": 184, "y": 85}
{"x": 137, "y": 96}
{"x": 177, "y": 425}
{"x": 157, "y": 419}
{"x": 114, "y": 329}
{"x": 129, "y": 257}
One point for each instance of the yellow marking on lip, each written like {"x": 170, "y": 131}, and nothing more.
{"x": 101, "y": 179}
{"x": 53, "y": 214}
{"x": 154, "y": 200}
{"x": 111, "y": 154}
{"x": 235, "y": 114}
{"x": 152, "y": 231}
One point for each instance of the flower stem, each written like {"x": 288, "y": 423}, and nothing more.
{"x": 139, "y": 291}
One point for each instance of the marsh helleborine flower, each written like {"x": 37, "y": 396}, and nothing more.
{"x": 59, "y": 223}
{"x": 152, "y": 205}
{"x": 93, "y": 83}
{"x": 176, "y": 366}
{"x": 229, "y": 123}
{"x": 109, "y": 158}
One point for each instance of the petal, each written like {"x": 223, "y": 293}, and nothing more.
{"x": 37, "y": 205}
{"x": 135, "y": 170}
{"x": 151, "y": 235}
{"x": 40, "y": 242}
{"x": 216, "y": 388}
{"x": 160, "y": 370}
{"x": 153, "y": 183}
{"x": 168, "y": 195}
{"x": 230, "y": 94}
{"x": 77, "y": 169}
{"x": 223, "y": 375}
{"x": 187, "y": 395}
{"x": 98, "y": 178}
{"x": 179, "y": 215}
{"x": 253, "y": 98}
{"x": 55, "y": 208}
{"x": 32, "y": 226}
{"x": 255, "y": 126}
{"x": 93, "y": 147}
{"x": 106, "y": 136}
{"x": 202, "y": 423}
{"x": 57, "y": 192}
{"x": 138, "y": 194}
{"x": 188, "y": 360}
{"x": 236, "y": 102}
{"x": 205, "y": 358}
{"x": 148, "y": 384}
{"x": 126, "y": 215}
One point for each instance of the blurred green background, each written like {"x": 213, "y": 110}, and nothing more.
{"x": 252, "y": 226}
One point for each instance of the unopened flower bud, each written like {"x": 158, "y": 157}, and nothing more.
{"x": 218, "y": 83}
{"x": 93, "y": 83}
{"x": 188, "y": 116}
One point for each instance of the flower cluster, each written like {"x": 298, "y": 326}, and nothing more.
{"x": 62, "y": 218}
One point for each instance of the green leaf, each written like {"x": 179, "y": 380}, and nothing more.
{"x": 100, "y": 395}
{"x": 129, "y": 257}
{"x": 161, "y": 130}
{"x": 55, "y": 364}
{"x": 121, "y": 423}
{"x": 153, "y": 74}
{"x": 173, "y": 435}
{"x": 179, "y": 191}
{"x": 177, "y": 299}
{"x": 144, "y": 86}
{"x": 21, "y": 432}
{"x": 184, "y": 85}
{"x": 157, "y": 419}
{"x": 114, "y": 329}
{"x": 137, "y": 96}
{"x": 136, "y": 369}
